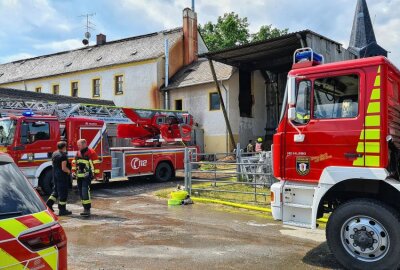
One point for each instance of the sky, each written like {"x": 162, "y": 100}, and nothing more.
{"x": 36, "y": 27}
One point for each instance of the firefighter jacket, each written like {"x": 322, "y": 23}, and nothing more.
{"x": 86, "y": 164}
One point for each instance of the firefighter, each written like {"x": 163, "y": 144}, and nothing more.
{"x": 85, "y": 167}
{"x": 250, "y": 147}
{"x": 61, "y": 179}
{"x": 259, "y": 145}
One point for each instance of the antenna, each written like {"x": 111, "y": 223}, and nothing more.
{"x": 89, "y": 26}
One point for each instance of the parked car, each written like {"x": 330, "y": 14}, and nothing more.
{"x": 30, "y": 235}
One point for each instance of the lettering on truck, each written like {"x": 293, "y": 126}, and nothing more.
{"x": 137, "y": 163}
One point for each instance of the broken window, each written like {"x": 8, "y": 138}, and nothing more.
{"x": 245, "y": 96}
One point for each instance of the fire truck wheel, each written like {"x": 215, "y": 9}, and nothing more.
{"x": 364, "y": 234}
{"x": 46, "y": 182}
{"x": 163, "y": 172}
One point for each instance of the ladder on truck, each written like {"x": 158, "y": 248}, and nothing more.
{"x": 109, "y": 114}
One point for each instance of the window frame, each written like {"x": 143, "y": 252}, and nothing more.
{"x": 52, "y": 88}
{"x": 93, "y": 87}
{"x": 116, "y": 84}
{"x": 77, "y": 88}
{"x": 30, "y": 123}
{"x": 38, "y": 88}
{"x": 311, "y": 96}
{"x": 360, "y": 77}
{"x": 210, "y": 100}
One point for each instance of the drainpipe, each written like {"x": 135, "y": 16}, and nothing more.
{"x": 166, "y": 81}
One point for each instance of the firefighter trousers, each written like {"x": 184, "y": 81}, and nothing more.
{"x": 60, "y": 190}
{"x": 84, "y": 192}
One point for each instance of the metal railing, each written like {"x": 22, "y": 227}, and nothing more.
{"x": 237, "y": 176}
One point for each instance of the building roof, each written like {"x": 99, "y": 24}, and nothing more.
{"x": 199, "y": 72}
{"x": 134, "y": 49}
{"x": 362, "y": 40}
{"x": 275, "y": 54}
{"x": 6, "y": 93}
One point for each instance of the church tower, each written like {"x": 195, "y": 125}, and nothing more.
{"x": 362, "y": 41}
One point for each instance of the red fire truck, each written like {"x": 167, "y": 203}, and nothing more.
{"x": 336, "y": 151}
{"x": 30, "y": 139}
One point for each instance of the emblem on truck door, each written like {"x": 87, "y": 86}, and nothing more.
{"x": 302, "y": 165}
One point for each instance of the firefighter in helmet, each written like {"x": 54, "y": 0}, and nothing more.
{"x": 259, "y": 145}
{"x": 86, "y": 168}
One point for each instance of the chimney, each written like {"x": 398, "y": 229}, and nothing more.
{"x": 190, "y": 48}
{"x": 101, "y": 39}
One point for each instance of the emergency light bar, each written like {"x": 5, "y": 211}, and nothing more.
{"x": 28, "y": 113}
{"x": 306, "y": 57}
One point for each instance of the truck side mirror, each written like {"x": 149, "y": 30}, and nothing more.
{"x": 292, "y": 113}
{"x": 291, "y": 91}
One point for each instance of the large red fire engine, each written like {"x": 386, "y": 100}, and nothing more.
{"x": 31, "y": 138}
{"x": 336, "y": 151}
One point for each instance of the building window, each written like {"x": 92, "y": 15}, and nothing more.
{"x": 74, "y": 89}
{"x": 56, "y": 89}
{"x": 178, "y": 105}
{"x": 119, "y": 82}
{"x": 215, "y": 103}
{"x": 38, "y": 89}
{"x": 96, "y": 87}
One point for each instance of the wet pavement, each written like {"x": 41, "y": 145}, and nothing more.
{"x": 132, "y": 229}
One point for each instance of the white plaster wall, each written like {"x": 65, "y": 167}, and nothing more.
{"x": 141, "y": 84}
{"x": 195, "y": 99}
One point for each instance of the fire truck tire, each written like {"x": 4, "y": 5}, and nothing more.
{"x": 164, "y": 172}
{"x": 46, "y": 182}
{"x": 364, "y": 234}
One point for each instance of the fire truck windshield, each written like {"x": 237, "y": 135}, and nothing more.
{"x": 7, "y": 130}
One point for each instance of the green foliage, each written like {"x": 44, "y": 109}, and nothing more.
{"x": 267, "y": 32}
{"x": 231, "y": 30}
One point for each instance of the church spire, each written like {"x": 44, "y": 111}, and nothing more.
{"x": 362, "y": 41}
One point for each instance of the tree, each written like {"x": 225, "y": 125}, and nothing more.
{"x": 267, "y": 32}
{"x": 231, "y": 30}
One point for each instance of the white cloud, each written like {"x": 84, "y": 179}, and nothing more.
{"x": 57, "y": 46}
{"x": 24, "y": 16}
{"x": 15, "y": 57}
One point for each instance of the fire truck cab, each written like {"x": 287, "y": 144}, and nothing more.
{"x": 336, "y": 152}
{"x": 31, "y": 140}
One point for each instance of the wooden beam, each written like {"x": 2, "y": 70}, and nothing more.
{"x": 228, "y": 125}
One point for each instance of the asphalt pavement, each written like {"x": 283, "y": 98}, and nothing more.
{"x": 131, "y": 228}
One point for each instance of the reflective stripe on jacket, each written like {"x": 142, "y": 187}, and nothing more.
{"x": 86, "y": 164}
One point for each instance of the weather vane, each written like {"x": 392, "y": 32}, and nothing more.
{"x": 89, "y": 26}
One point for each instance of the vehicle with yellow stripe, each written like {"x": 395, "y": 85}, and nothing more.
{"x": 30, "y": 235}
{"x": 336, "y": 151}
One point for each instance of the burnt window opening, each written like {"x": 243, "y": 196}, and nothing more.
{"x": 245, "y": 96}
{"x": 178, "y": 105}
